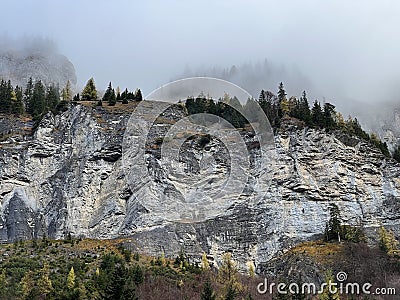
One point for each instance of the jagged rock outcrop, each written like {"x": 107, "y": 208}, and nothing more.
{"x": 18, "y": 66}
{"x": 70, "y": 178}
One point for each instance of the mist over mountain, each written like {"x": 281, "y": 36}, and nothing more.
{"x": 34, "y": 57}
{"x": 380, "y": 115}
{"x": 254, "y": 77}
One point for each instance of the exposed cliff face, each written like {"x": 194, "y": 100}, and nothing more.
{"x": 391, "y": 130}
{"x": 18, "y": 66}
{"x": 70, "y": 177}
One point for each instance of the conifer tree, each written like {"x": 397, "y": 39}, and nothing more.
{"x": 387, "y": 241}
{"x": 71, "y": 279}
{"x": 77, "y": 98}
{"x": 251, "y": 270}
{"x": 330, "y": 291}
{"x": 18, "y": 106}
{"x": 208, "y": 292}
{"x": 124, "y": 96}
{"x": 37, "y": 103}
{"x": 3, "y": 284}
{"x": 205, "y": 266}
{"x": 52, "y": 96}
{"x": 109, "y": 96}
{"x": 138, "y": 95}
{"x": 334, "y": 223}
{"x": 118, "y": 93}
{"x": 328, "y": 116}
{"x": 27, "y": 284}
{"x": 228, "y": 276}
{"x": 305, "y": 109}
{"x": 44, "y": 285}
{"x": 68, "y": 91}
{"x": 5, "y": 101}
{"x": 89, "y": 91}
{"x": 317, "y": 115}
{"x": 283, "y": 102}
{"x": 281, "y": 92}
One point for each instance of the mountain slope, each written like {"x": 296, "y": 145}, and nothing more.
{"x": 70, "y": 178}
{"x": 18, "y": 66}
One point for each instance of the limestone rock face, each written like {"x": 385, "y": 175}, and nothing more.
{"x": 18, "y": 66}
{"x": 70, "y": 177}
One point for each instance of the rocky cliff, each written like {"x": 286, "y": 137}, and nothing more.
{"x": 51, "y": 67}
{"x": 70, "y": 177}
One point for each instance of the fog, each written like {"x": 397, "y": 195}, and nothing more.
{"x": 345, "y": 52}
{"x": 27, "y": 44}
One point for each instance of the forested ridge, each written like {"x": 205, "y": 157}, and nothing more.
{"x": 36, "y": 99}
{"x": 278, "y": 107}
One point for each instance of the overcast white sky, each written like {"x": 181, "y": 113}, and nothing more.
{"x": 346, "y": 49}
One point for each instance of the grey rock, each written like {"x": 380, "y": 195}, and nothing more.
{"x": 18, "y": 66}
{"x": 70, "y": 177}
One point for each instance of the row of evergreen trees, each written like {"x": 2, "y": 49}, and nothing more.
{"x": 279, "y": 107}
{"x": 318, "y": 116}
{"x": 11, "y": 99}
{"x": 110, "y": 96}
{"x": 36, "y": 99}
{"x": 227, "y": 108}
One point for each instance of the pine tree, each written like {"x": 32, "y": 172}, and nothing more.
{"x": 232, "y": 112}
{"x": 379, "y": 144}
{"x": 205, "y": 266}
{"x": 317, "y": 115}
{"x": 67, "y": 92}
{"x": 77, "y": 98}
{"x": 89, "y": 91}
{"x": 284, "y": 107}
{"x": 71, "y": 279}
{"x": 27, "y": 284}
{"x": 138, "y": 95}
{"x": 340, "y": 121}
{"x": 162, "y": 259}
{"x": 334, "y": 224}
{"x": 328, "y": 115}
{"x": 305, "y": 110}
{"x": 251, "y": 267}
{"x": 3, "y": 97}
{"x": 269, "y": 104}
{"x": 281, "y": 92}
{"x": 230, "y": 293}
{"x": 208, "y": 292}
{"x": 327, "y": 294}
{"x": 44, "y": 285}
{"x": 8, "y": 95}
{"x": 37, "y": 103}
{"x": 18, "y": 106}
{"x": 118, "y": 93}
{"x": 52, "y": 96}
{"x": 124, "y": 96}
{"x": 64, "y": 94}
{"x": 283, "y": 102}
{"x": 228, "y": 276}
{"x": 387, "y": 241}
{"x": 109, "y": 96}
{"x": 3, "y": 284}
